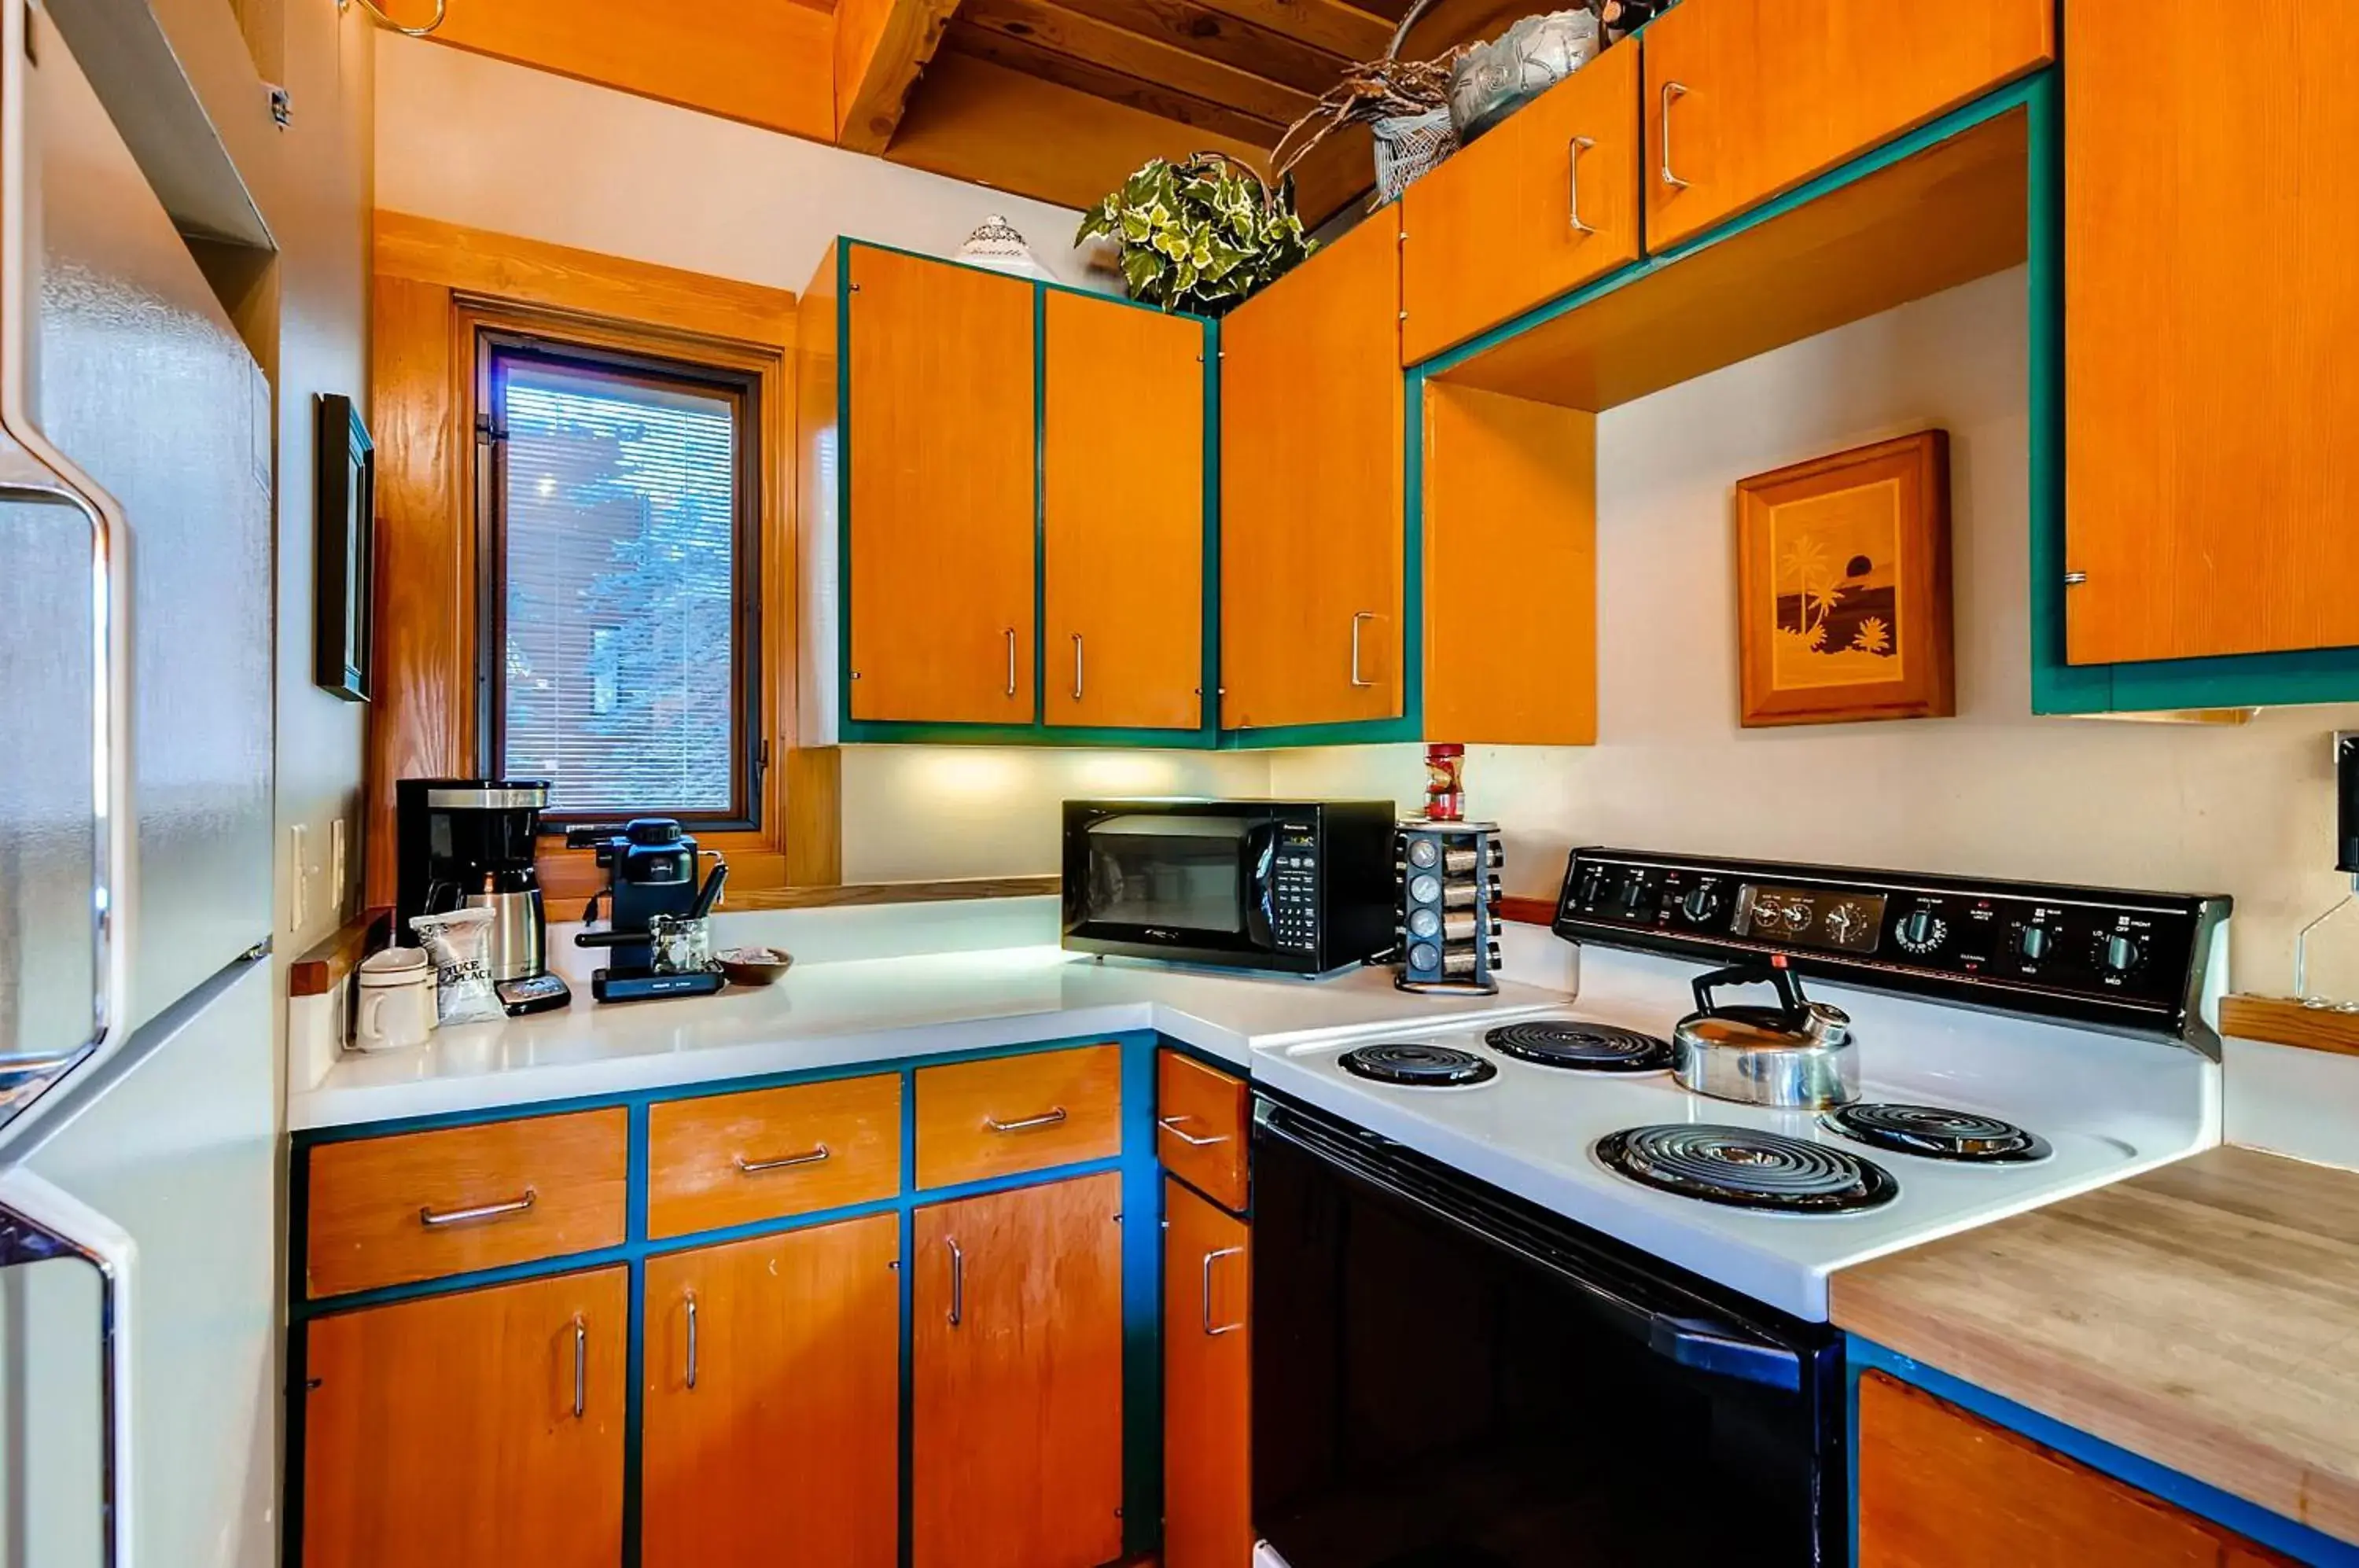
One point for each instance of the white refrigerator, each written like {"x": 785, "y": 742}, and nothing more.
{"x": 138, "y": 1095}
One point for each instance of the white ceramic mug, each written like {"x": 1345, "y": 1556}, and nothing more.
{"x": 397, "y": 1000}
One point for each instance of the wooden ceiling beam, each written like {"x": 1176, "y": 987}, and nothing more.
{"x": 1200, "y": 30}
{"x": 1130, "y": 54}
{"x": 880, "y": 48}
{"x": 1345, "y": 31}
{"x": 1023, "y": 54}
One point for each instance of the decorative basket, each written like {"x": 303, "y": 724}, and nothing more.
{"x": 1409, "y": 146}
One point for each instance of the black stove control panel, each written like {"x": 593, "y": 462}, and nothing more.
{"x": 2123, "y": 960}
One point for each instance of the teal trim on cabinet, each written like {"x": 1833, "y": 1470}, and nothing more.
{"x": 1038, "y": 732}
{"x": 2184, "y": 1492}
{"x": 1142, "y": 1262}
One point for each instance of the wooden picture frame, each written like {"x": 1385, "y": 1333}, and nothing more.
{"x": 1842, "y": 572}
{"x": 343, "y": 564}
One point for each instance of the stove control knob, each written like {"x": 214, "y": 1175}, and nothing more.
{"x": 2031, "y": 943}
{"x": 1634, "y": 894}
{"x": 1699, "y": 905}
{"x": 2119, "y": 954}
{"x": 1922, "y": 930}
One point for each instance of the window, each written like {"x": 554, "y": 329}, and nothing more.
{"x": 620, "y": 593}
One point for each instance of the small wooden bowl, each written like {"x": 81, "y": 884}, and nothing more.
{"x": 752, "y": 966}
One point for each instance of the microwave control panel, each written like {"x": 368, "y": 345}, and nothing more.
{"x": 2136, "y": 960}
{"x": 1294, "y": 888}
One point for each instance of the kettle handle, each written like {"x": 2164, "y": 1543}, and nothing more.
{"x": 1789, "y": 987}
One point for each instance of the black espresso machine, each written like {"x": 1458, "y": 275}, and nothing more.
{"x": 653, "y": 870}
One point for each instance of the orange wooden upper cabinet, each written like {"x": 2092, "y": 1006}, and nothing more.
{"x": 1748, "y": 98}
{"x": 1311, "y": 481}
{"x": 1015, "y": 1379}
{"x": 1544, "y": 202}
{"x": 940, "y": 448}
{"x": 479, "y": 1430}
{"x": 772, "y": 1402}
{"x": 1123, "y": 515}
{"x": 1941, "y": 1488}
{"x": 2210, "y": 302}
{"x": 1207, "y": 1386}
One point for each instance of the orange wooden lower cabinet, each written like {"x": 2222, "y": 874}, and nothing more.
{"x": 1207, "y": 1371}
{"x": 480, "y": 1430}
{"x": 772, "y": 1409}
{"x": 1015, "y": 1379}
{"x": 1940, "y": 1489}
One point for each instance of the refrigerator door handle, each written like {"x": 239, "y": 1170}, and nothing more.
{"x": 37, "y": 468}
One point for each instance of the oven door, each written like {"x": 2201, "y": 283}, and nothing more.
{"x": 1446, "y": 1376}
{"x": 1180, "y": 882}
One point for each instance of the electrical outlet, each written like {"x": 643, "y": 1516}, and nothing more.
{"x": 299, "y": 878}
{"x": 337, "y": 867}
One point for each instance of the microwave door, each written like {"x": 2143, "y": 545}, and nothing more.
{"x": 1175, "y": 881}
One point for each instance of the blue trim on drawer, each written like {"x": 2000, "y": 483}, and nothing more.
{"x": 2249, "y": 1519}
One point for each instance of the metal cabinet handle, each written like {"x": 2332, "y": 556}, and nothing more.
{"x": 1050, "y": 1118}
{"x": 755, "y": 1167}
{"x": 581, "y": 1367}
{"x": 1011, "y": 661}
{"x": 1171, "y": 1126}
{"x": 1673, "y": 92}
{"x": 958, "y": 1281}
{"x": 1077, "y": 667}
{"x": 432, "y": 1220}
{"x": 691, "y": 1340}
{"x": 1359, "y": 618}
{"x": 1210, "y": 1258}
{"x": 1573, "y": 150}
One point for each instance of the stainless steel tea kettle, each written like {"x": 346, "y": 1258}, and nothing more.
{"x": 1797, "y": 1055}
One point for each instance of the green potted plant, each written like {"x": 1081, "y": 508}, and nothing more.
{"x": 1201, "y": 234}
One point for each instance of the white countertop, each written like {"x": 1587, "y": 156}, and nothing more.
{"x": 873, "y": 1009}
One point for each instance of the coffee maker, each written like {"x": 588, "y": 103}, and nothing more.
{"x": 652, "y": 872}
{"x": 469, "y": 844}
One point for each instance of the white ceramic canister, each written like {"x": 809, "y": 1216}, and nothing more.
{"x": 397, "y": 1000}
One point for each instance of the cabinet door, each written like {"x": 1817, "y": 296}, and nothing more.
{"x": 1123, "y": 516}
{"x": 1940, "y": 1489}
{"x": 1207, "y": 1372}
{"x": 1546, "y": 202}
{"x": 1748, "y": 98}
{"x": 480, "y": 1430}
{"x": 2209, "y": 303}
{"x": 772, "y": 1412}
{"x": 1311, "y": 490}
{"x": 940, "y": 449}
{"x": 1015, "y": 1371}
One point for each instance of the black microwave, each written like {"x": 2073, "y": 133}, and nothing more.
{"x": 1287, "y": 886}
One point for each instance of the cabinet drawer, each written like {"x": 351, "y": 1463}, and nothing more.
{"x": 734, "y": 1159}
{"x": 1199, "y": 1127}
{"x": 388, "y": 1211}
{"x": 978, "y": 1119}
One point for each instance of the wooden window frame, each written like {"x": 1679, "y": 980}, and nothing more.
{"x": 750, "y": 747}
{"x": 438, "y": 288}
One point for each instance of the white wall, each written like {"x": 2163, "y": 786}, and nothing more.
{"x": 1994, "y": 791}
{"x": 494, "y": 146}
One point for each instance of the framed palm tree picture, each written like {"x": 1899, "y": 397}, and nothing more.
{"x": 1843, "y": 570}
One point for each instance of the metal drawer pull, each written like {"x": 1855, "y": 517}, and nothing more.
{"x": 691, "y": 1340}
{"x": 1573, "y": 150}
{"x": 1050, "y": 1117}
{"x": 755, "y": 1167}
{"x": 1077, "y": 667}
{"x": 1171, "y": 1126}
{"x": 1210, "y": 1258}
{"x": 581, "y": 1367}
{"x": 431, "y": 1220}
{"x": 958, "y": 1281}
{"x": 1358, "y": 618}
{"x": 1673, "y": 92}
{"x": 1011, "y": 661}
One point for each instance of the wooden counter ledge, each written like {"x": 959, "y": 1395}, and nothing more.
{"x": 2204, "y": 1315}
